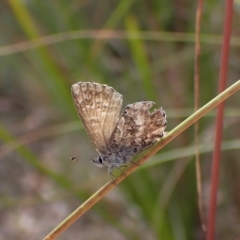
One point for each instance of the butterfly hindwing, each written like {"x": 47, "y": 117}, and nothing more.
{"x": 137, "y": 128}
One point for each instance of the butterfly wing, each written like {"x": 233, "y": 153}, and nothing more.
{"x": 137, "y": 129}
{"x": 98, "y": 107}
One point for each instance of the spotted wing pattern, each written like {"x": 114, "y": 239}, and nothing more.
{"x": 137, "y": 129}
{"x": 99, "y": 107}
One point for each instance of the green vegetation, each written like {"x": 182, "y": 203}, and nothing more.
{"x": 146, "y": 52}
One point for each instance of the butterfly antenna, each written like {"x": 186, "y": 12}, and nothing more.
{"x": 81, "y": 156}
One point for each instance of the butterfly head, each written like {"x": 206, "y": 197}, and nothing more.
{"x": 98, "y": 162}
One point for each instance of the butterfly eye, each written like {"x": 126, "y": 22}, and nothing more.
{"x": 100, "y": 160}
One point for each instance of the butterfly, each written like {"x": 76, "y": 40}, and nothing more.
{"x": 117, "y": 137}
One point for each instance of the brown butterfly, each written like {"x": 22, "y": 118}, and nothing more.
{"x": 116, "y": 138}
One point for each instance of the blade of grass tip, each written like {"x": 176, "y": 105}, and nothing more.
{"x": 100, "y": 37}
{"x": 196, "y": 106}
{"x": 219, "y": 121}
{"x": 164, "y": 141}
{"x": 55, "y": 82}
{"x": 116, "y": 16}
{"x": 36, "y": 163}
{"x": 165, "y": 193}
{"x": 139, "y": 54}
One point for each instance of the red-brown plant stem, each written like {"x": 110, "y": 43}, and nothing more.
{"x": 219, "y": 121}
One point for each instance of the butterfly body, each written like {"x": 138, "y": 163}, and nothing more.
{"x": 111, "y": 161}
{"x": 116, "y": 138}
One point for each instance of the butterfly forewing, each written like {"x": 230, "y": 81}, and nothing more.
{"x": 98, "y": 106}
{"x": 110, "y": 110}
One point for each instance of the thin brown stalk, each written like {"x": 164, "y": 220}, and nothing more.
{"x": 168, "y": 138}
{"x": 110, "y": 34}
{"x": 196, "y": 107}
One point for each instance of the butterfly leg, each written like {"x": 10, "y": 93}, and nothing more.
{"x": 110, "y": 172}
{"x": 111, "y": 175}
{"x": 122, "y": 172}
{"x": 135, "y": 163}
{"x": 112, "y": 167}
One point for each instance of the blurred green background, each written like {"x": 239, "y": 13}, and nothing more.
{"x": 46, "y": 46}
